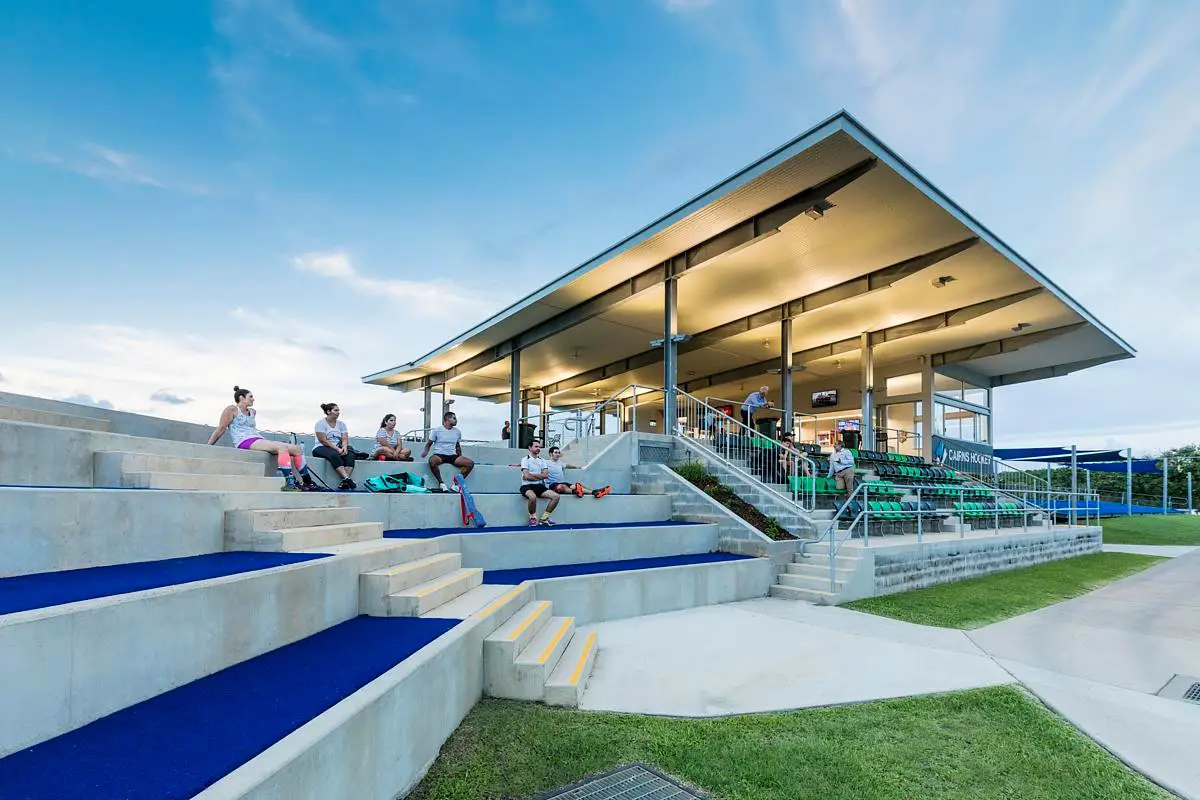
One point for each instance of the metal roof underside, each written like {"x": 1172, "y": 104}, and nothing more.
{"x": 745, "y": 254}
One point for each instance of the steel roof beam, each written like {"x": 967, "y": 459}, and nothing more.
{"x": 947, "y": 319}
{"x": 855, "y": 287}
{"x": 761, "y": 225}
{"x": 1053, "y": 372}
{"x": 1001, "y": 346}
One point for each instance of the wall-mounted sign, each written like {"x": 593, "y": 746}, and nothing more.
{"x": 970, "y": 457}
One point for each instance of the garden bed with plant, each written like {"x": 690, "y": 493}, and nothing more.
{"x": 694, "y": 473}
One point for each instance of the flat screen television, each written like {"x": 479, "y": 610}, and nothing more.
{"x": 824, "y": 399}
{"x": 849, "y": 425}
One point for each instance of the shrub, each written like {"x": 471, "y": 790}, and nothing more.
{"x": 694, "y": 473}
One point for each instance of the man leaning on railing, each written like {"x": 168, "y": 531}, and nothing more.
{"x": 841, "y": 468}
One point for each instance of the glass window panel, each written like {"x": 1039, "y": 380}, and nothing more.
{"x": 945, "y": 385}
{"x": 975, "y": 395}
{"x": 904, "y": 384}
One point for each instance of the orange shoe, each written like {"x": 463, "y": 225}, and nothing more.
{"x": 602, "y": 492}
{"x": 578, "y": 489}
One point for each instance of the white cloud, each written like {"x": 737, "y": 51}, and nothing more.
{"x": 107, "y": 164}
{"x": 126, "y": 365}
{"x": 421, "y": 298}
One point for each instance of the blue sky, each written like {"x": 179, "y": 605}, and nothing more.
{"x": 287, "y": 194}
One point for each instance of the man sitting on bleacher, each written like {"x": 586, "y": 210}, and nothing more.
{"x": 841, "y": 468}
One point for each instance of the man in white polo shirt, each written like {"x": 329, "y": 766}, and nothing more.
{"x": 534, "y": 472}
{"x": 446, "y": 443}
{"x": 841, "y": 468}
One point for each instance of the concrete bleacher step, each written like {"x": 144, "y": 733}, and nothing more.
{"x": 818, "y": 583}
{"x": 271, "y": 519}
{"x": 475, "y": 601}
{"x": 533, "y": 665}
{"x": 817, "y": 596}
{"x": 183, "y": 481}
{"x": 503, "y": 645}
{"x": 568, "y": 680}
{"x": 111, "y": 465}
{"x": 286, "y": 540}
{"x": 52, "y": 419}
{"x": 424, "y": 597}
{"x": 377, "y": 586}
{"x": 842, "y": 561}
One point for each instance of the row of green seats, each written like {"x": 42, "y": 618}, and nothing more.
{"x": 982, "y": 510}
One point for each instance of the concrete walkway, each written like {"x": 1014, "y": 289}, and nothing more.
{"x": 1098, "y": 660}
{"x": 771, "y": 654}
{"x": 1166, "y": 551}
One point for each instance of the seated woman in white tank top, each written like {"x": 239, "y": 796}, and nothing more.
{"x": 239, "y": 420}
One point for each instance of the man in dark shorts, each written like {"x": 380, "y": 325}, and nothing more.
{"x": 533, "y": 485}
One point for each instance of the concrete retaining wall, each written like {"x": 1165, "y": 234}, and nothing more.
{"x": 47, "y": 530}
{"x": 899, "y": 569}
{"x": 485, "y": 478}
{"x": 617, "y": 595}
{"x": 690, "y": 504}
{"x": 378, "y": 743}
{"x": 98, "y": 656}
{"x": 119, "y": 421}
{"x": 542, "y": 547}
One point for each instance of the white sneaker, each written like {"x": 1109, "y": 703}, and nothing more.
{"x": 454, "y": 488}
{"x": 442, "y": 486}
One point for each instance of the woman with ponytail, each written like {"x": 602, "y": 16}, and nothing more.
{"x": 239, "y": 420}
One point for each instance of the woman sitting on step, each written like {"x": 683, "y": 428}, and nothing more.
{"x": 239, "y": 420}
{"x": 333, "y": 445}
{"x": 388, "y": 444}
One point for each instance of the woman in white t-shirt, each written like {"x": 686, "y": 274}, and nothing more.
{"x": 334, "y": 445}
{"x": 388, "y": 445}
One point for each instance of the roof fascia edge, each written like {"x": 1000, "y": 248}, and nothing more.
{"x": 851, "y": 126}
{"x": 822, "y": 130}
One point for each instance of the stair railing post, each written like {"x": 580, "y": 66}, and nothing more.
{"x": 920, "y": 517}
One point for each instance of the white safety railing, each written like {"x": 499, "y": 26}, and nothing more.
{"x": 760, "y": 459}
{"x": 872, "y": 509}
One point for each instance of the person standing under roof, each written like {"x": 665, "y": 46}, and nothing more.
{"x": 755, "y": 402}
{"x": 841, "y": 468}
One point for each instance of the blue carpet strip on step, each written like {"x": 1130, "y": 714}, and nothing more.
{"x": 43, "y": 589}
{"x": 515, "y": 576}
{"x": 176, "y": 744}
{"x": 433, "y": 533}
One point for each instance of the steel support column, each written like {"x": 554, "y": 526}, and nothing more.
{"x": 786, "y": 400}
{"x": 1074, "y": 482}
{"x": 544, "y": 422}
{"x": 867, "y": 431}
{"x": 446, "y": 401}
{"x": 670, "y": 347}
{"x": 427, "y": 420}
{"x": 1166, "y": 463}
{"x": 1129, "y": 482}
{"x": 514, "y": 399}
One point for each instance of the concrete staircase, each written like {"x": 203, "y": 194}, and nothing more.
{"x": 807, "y": 578}
{"x": 290, "y": 529}
{"x": 538, "y": 656}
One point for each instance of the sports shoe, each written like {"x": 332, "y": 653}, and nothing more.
{"x": 602, "y": 492}
{"x": 533, "y": 522}
{"x": 352, "y": 484}
{"x": 289, "y": 485}
{"x": 454, "y": 488}
{"x": 547, "y": 522}
{"x": 577, "y": 489}
{"x": 442, "y": 487}
{"x": 345, "y": 485}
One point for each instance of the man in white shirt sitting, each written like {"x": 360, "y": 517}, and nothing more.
{"x": 841, "y": 468}
{"x": 446, "y": 442}
{"x": 534, "y": 473}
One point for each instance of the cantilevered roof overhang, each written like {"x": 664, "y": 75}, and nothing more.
{"x": 833, "y": 230}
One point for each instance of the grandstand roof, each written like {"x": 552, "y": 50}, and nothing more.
{"x": 832, "y": 228}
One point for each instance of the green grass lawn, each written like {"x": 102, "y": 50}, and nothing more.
{"x": 985, "y": 743}
{"x": 979, "y": 601}
{"x": 1178, "y": 530}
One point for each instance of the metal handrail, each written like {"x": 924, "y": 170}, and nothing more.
{"x": 712, "y": 416}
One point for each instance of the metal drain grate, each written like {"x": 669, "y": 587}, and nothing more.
{"x": 1182, "y": 687}
{"x": 630, "y": 782}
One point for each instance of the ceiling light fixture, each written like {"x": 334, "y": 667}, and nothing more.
{"x": 1020, "y": 326}
{"x": 817, "y": 210}
{"x": 942, "y": 281}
